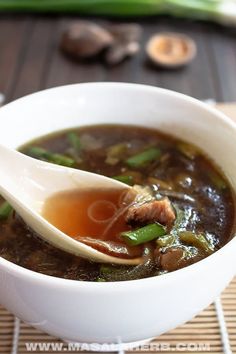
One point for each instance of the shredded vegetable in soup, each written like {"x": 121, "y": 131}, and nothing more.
{"x": 177, "y": 209}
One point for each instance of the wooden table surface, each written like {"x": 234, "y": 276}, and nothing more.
{"x": 30, "y": 59}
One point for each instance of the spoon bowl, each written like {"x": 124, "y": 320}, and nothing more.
{"x": 26, "y": 183}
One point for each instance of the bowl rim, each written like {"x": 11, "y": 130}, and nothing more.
{"x": 52, "y": 281}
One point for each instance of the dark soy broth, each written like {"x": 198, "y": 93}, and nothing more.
{"x": 187, "y": 210}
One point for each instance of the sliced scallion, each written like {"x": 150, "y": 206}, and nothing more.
{"x": 144, "y": 234}
{"x": 188, "y": 150}
{"x": 48, "y": 156}
{"x": 74, "y": 141}
{"x": 125, "y": 179}
{"x": 197, "y": 240}
{"x": 115, "y": 153}
{"x": 166, "y": 240}
{"x": 5, "y": 210}
{"x": 145, "y": 157}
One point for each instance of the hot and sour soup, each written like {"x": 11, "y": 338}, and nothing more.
{"x": 180, "y": 208}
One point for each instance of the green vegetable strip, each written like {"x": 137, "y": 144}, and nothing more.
{"x": 97, "y": 7}
{"x": 5, "y": 210}
{"x": 117, "y": 150}
{"x": 181, "y": 220}
{"x": 106, "y": 269}
{"x": 45, "y": 155}
{"x": 165, "y": 241}
{"x": 223, "y": 11}
{"x": 199, "y": 241}
{"x": 74, "y": 142}
{"x": 143, "y": 158}
{"x": 114, "y": 7}
{"x": 62, "y": 160}
{"x": 125, "y": 179}
{"x": 39, "y": 152}
{"x": 144, "y": 234}
{"x": 188, "y": 150}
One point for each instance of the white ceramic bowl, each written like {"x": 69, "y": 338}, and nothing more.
{"x": 122, "y": 311}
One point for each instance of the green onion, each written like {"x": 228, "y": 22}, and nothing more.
{"x": 199, "y": 241}
{"x": 115, "y": 153}
{"x": 106, "y": 269}
{"x": 5, "y": 210}
{"x": 188, "y": 150}
{"x": 145, "y": 157}
{"x": 223, "y": 11}
{"x": 38, "y": 152}
{"x": 144, "y": 234}
{"x": 59, "y": 159}
{"x": 180, "y": 221}
{"x": 74, "y": 142}
{"x": 45, "y": 155}
{"x": 117, "y": 150}
{"x": 125, "y": 179}
{"x": 165, "y": 241}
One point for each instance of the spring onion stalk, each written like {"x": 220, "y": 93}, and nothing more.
{"x": 59, "y": 159}
{"x": 5, "y": 210}
{"x": 106, "y": 269}
{"x": 125, "y": 179}
{"x": 144, "y": 234}
{"x": 142, "y": 159}
{"x": 165, "y": 241}
{"x": 223, "y": 11}
{"x": 74, "y": 141}
{"x": 181, "y": 220}
{"x": 188, "y": 150}
{"x": 115, "y": 153}
{"x": 199, "y": 241}
{"x": 45, "y": 155}
{"x": 117, "y": 150}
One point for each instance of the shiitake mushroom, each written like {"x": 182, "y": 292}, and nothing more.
{"x": 171, "y": 50}
{"x": 85, "y": 39}
{"x": 125, "y": 44}
{"x": 118, "y": 52}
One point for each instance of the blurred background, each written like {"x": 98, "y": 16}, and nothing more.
{"x": 42, "y": 44}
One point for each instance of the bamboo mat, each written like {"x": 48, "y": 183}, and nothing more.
{"x": 212, "y": 331}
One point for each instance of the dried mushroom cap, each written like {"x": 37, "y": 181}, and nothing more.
{"x": 171, "y": 49}
{"x": 118, "y": 52}
{"x": 85, "y": 39}
{"x": 126, "y": 42}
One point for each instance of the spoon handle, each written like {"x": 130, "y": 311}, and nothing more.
{"x": 32, "y": 180}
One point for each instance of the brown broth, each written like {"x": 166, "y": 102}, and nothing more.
{"x": 193, "y": 184}
{"x": 87, "y": 213}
